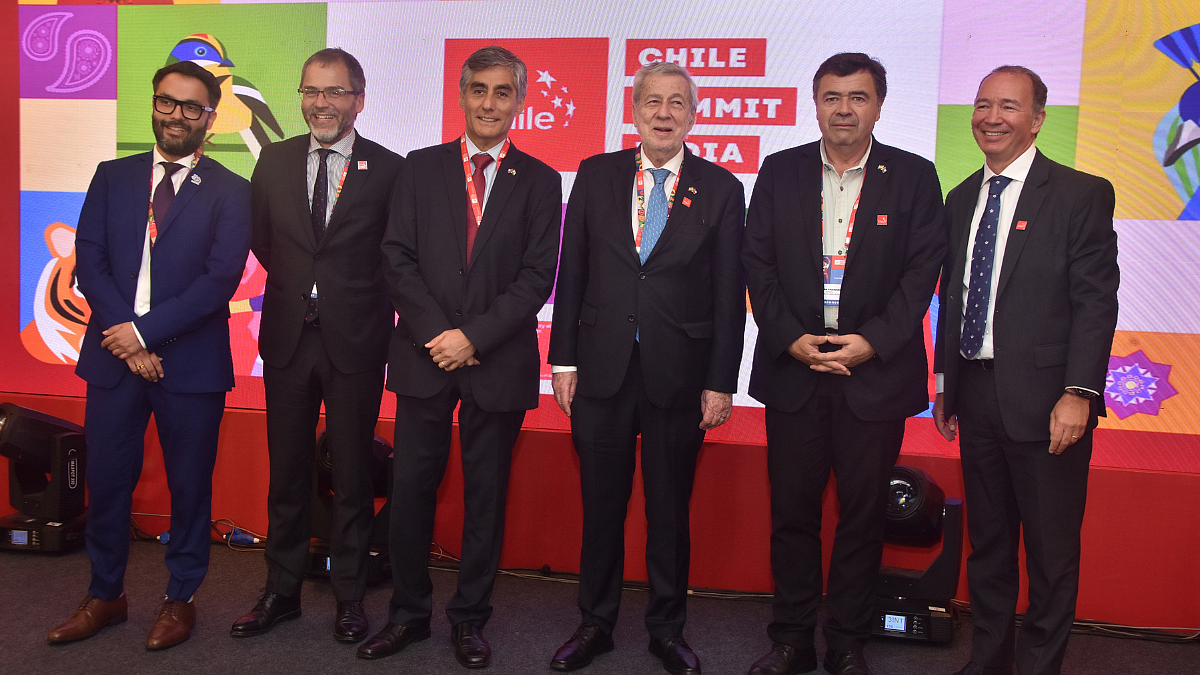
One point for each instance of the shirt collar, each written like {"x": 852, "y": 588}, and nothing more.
{"x": 185, "y": 162}
{"x": 671, "y": 165}
{"x": 342, "y": 147}
{"x": 862, "y": 163}
{"x": 1018, "y": 170}
{"x": 494, "y": 151}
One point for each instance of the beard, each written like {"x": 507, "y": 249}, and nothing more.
{"x": 182, "y": 147}
{"x": 327, "y": 135}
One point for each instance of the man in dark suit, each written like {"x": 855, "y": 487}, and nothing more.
{"x": 320, "y": 205}
{"x": 842, "y": 251}
{"x": 471, "y": 248}
{"x": 1028, "y": 311}
{"x": 649, "y": 314}
{"x": 159, "y": 288}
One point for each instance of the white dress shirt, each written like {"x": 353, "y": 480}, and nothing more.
{"x": 840, "y": 194}
{"x": 141, "y": 297}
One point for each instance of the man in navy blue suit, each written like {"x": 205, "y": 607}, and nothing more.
{"x": 161, "y": 245}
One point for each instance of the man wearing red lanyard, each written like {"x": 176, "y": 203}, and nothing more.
{"x": 320, "y": 206}
{"x": 161, "y": 245}
{"x": 840, "y": 359}
{"x": 649, "y": 314}
{"x": 471, "y": 248}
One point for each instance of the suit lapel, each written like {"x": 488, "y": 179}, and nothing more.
{"x": 295, "y": 175}
{"x": 502, "y": 187}
{"x": 456, "y": 193}
{"x": 186, "y": 191}
{"x": 809, "y": 212}
{"x": 355, "y": 180}
{"x": 875, "y": 181}
{"x": 1032, "y": 195}
{"x": 964, "y": 213}
{"x": 690, "y": 187}
{"x": 623, "y": 196}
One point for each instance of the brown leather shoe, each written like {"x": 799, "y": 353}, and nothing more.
{"x": 92, "y": 615}
{"x": 173, "y": 625}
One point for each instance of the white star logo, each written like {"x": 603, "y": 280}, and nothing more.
{"x": 557, "y": 101}
{"x": 545, "y": 78}
{"x": 570, "y": 108}
{"x": 564, "y": 90}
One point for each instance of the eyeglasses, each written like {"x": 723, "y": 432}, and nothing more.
{"x": 331, "y": 94}
{"x": 191, "y": 111}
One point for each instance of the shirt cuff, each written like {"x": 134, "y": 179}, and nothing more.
{"x": 1075, "y": 386}
{"x": 138, "y": 333}
{"x": 563, "y": 369}
{"x": 941, "y": 382}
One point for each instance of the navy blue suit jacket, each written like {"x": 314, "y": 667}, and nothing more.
{"x": 197, "y": 263}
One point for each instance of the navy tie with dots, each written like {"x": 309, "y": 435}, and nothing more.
{"x": 320, "y": 195}
{"x": 983, "y": 256}
{"x": 656, "y": 213}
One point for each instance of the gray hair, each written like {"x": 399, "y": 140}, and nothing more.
{"x": 490, "y": 57}
{"x": 665, "y": 68}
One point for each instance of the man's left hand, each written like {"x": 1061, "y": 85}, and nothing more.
{"x": 451, "y": 349}
{"x": 716, "y": 407}
{"x": 855, "y": 350}
{"x": 1068, "y": 422}
{"x": 122, "y": 340}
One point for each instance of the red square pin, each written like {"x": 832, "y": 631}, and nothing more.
{"x": 1021, "y": 224}
{"x": 687, "y": 201}
{"x": 362, "y": 165}
{"x": 881, "y": 220}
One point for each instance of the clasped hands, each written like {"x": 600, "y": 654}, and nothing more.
{"x": 854, "y": 350}
{"x": 451, "y": 349}
{"x": 123, "y": 342}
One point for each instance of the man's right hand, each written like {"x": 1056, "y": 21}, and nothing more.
{"x": 806, "y": 347}
{"x": 147, "y": 364}
{"x": 947, "y": 427}
{"x": 564, "y": 389}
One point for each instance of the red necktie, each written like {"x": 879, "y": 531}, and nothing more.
{"x": 480, "y": 160}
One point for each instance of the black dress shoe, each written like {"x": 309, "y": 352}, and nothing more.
{"x": 351, "y": 624}
{"x": 391, "y": 639}
{"x": 785, "y": 660}
{"x": 270, "y": 610}
{"x": 846, "y": 662}
{"x": 470, "y": 648}
{"x": 677, "y": 657}
{"x": 587, "y": 643}
{"x": 976, "y": 669}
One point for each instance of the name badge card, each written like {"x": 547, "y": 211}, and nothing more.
{"x": 835, "y": 270}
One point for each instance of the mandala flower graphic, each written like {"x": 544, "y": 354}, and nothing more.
{"x": 1135, "y": 384}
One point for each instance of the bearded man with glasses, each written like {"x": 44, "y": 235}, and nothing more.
{"x": 320, "y": 206}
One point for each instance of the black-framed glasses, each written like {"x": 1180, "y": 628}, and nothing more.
{"x": 331, "y": 94}
{"x": 166, "y": 105}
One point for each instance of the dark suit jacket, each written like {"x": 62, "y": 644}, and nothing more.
{"x": 197, "y": 263}
{"x": 346, "y": 264}
{"x": 495, "y": 299}
{"x": 891, "y": 270}
{"x": 1056, "y": 302}
{"x": 688, "y": 299}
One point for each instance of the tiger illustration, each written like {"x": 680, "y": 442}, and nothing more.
{"x": 60, "y": 312}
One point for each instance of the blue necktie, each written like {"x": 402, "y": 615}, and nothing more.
{"x": 983, "y": 256}
{"x": 656, "y": 214}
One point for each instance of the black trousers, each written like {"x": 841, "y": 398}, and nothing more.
{"x": 294, "y": 396}
{"x": 802, "y": 448}
{"x": 1014, "y": 487}
{"x": 422, "y": 448}
{"x": 605, "y": 435}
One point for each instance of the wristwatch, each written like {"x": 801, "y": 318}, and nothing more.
{"x": 1081, "y": 392}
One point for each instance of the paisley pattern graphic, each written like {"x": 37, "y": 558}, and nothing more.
{"x": 40, "y": 41}
{"x": 88, "y": 57}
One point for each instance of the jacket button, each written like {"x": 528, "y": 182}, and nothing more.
{"x": 460, "y": 272}
{"x": 632, "y": 318}
{"x": 318, "y": 258}
{"x": 642, "y": 275}
{"x": 458, "y": 312}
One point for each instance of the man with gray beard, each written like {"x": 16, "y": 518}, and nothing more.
{"x": 320, "y": 204}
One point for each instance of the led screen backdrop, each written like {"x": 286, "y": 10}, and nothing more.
{"x": 1124, "y": 103}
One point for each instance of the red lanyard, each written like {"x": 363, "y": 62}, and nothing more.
{"x": 641, "y": 199}
{"x": 150, "y": 219}
{"x": 476, "y": 204}
{"x": 850, "y": 225}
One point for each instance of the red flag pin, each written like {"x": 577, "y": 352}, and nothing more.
{"x": 362, "y": 165}
{"x": 1022, "y": 224}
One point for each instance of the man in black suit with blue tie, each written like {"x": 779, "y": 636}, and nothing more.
{"x": 161, "y": 245}
{"x": 1027, "y": 314}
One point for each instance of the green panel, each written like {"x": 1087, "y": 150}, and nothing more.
{"x": 252, "y": 38}
{"x": 959, "y": 157}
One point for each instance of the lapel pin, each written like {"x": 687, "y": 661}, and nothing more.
{"x": 512, "y": 172}
{"x": 692, "y": 190}
{"x": 362, "y": 165}
{"x": 195, "y": 179}
{"x": 882, "y": 168}
{"x": 881, "y": 219}
{"x": 1022, "y": 224}
{"x": 687, "y": 201}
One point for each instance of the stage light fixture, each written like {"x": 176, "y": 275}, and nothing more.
{"x": 45, "y": 480}
{"x": 914, "y": 508}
